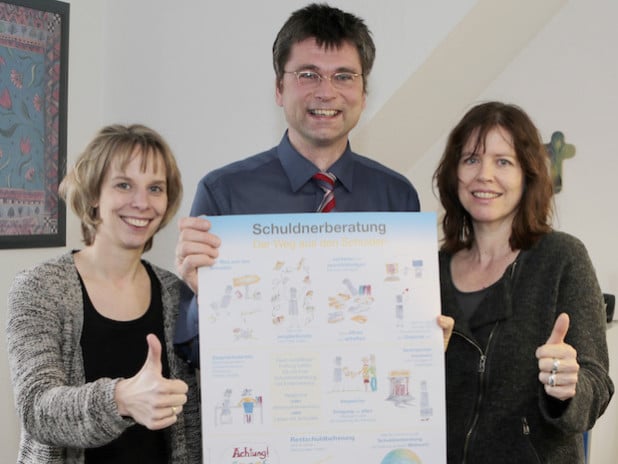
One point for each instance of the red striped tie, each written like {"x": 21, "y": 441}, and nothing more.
{"x": 326, "y": 181}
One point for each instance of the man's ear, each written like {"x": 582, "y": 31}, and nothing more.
{"x": 279, "y": 91}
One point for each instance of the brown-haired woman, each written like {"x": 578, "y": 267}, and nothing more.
{"x": 527, "y": 364}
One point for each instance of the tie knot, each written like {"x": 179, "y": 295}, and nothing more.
{"x": 326, "y": 180}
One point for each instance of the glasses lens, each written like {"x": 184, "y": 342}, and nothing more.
{"x": 343, "y": 80}
{"x": 308, "y": 78}
{"x": 339, "y": 80}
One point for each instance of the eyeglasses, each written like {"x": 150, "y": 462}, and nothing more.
{"x": 311, "y": 79}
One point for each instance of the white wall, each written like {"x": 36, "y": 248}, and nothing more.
{"x": 566, "y": 78}
{"x": 201, "y": 73}
{"x": 84, "y": 118}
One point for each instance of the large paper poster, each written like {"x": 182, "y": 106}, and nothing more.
{"x": 319, "y": 341}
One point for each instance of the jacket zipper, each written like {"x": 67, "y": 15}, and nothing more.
{"x": 526, "y": 433}
{"x": 525, "y": 426}
{"x": 481, "y": 372}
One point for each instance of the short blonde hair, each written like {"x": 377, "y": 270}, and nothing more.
{"x": 117, "y": 143}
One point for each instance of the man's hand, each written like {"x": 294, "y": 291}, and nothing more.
{"x": 196, "y": 247}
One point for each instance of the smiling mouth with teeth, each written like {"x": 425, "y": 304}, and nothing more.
{"x": 137, "y": 222}
{"x": 328, "y": 113}
{"x": 485, "y": 195}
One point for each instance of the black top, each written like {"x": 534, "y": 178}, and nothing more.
{"x": 118, "y": 349}
{"x": 468, "y": 302}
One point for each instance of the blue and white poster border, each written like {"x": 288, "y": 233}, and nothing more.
{"x": 319, "y": 342}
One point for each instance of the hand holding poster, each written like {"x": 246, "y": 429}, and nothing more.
{"x": 319, "y": 341}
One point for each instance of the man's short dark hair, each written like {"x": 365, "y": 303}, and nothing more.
{"x": 331, "y": 28}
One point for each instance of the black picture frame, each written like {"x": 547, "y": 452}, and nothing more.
{"x": 34, "y": 50}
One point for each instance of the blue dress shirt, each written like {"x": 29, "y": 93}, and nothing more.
{"x": 279, "y": 181}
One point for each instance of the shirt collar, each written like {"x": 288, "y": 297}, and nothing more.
{"x": 299, "y": 169}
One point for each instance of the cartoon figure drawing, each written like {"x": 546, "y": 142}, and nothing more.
{"x": 399, "y": 310}
{"x": 426, "y": 409}
{"x": 365, "y": 373}
{"x": 373, "y": 379}
{"x": 293, "y": 308}
{"x": 227, "y": 297}
{"x": 248, "y": 403}
{"x": 228, "y": 412}
{"x": 402, "y": 301}
{"x": 292, "y": 295}
{"x": 338, "y": 375}
{"x": 349, "y": 384}
{"x": 237, "y": 308}
{"x": 369, "y": 373}
{"x": 309, "y": 307}
{"x": 349, "y": 379}
{"x": 225, "y": 416}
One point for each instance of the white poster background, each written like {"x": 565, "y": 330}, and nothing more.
{"x": 319, "y": 342}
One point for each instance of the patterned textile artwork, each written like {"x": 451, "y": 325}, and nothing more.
{"x": 32, "y": 123}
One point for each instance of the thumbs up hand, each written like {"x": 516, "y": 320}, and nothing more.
{"x": 558, "y": 367}
{"x": 148, "y": 397}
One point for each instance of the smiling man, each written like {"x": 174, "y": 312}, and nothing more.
{"x": 322, "y": 58}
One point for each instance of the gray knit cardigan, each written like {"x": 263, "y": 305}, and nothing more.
{"x": 497, "y": 410}
{"x": 60, "y": 413}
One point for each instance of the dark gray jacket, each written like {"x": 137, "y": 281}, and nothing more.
{"x": 60, "y": 413}
{"x": 497, "y": 409}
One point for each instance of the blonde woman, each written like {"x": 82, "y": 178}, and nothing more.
{"x": 90, "y": 332}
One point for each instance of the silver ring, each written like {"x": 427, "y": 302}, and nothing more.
{"x": 173, "y": 410}
{"x": 552, "y": 380}
{"x": 555, "y": 365}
